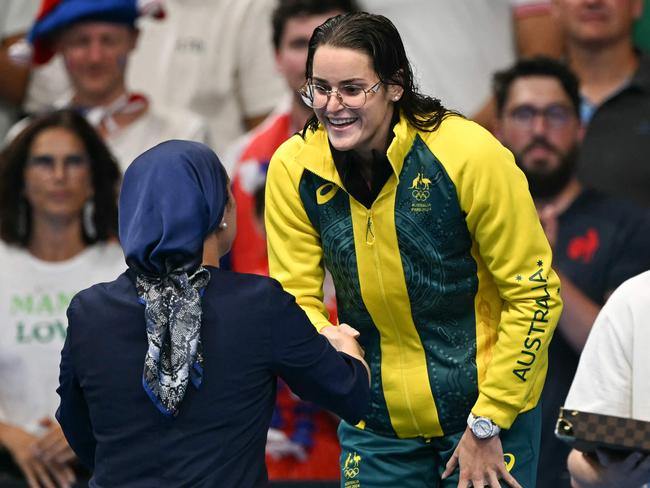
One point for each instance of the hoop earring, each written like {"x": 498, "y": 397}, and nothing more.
{"x": 88, "y": 219}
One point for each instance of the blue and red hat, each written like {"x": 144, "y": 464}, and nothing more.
{"x": 55, "y": 15}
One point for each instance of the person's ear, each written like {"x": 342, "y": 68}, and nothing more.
{"x": 395, "y": 87}
{"x": 395, "y": 92}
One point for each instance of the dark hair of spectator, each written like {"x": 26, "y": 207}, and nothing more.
{"x": 289, "y": 9}
{"x": 536, "y": 66}
{"x": 105, "y": 177}
{"x": 377, "y": 37}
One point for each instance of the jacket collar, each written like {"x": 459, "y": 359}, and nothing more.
{"x": 315, "y": 154}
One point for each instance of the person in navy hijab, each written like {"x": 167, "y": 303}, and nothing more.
{"x": 168, "y": 373}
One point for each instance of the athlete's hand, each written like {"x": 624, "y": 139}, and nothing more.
{"x": 481, "y": 462}
{"x": 344, "y": 338}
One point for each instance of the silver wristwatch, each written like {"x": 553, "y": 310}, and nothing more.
{"x": 482, "y": 427}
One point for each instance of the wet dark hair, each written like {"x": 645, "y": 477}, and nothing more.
{"x": 377, "y": 37}
{"x": 105, "y": 177}
{"x": 536, "y": 66}
{"x": 289, "y": 9}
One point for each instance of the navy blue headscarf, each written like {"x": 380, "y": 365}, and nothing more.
{"x": 173, "y": 196}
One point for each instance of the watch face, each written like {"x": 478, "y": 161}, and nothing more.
{"x": 482, "y": 428}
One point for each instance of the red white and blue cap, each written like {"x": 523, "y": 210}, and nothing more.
{"x": 55, "y": 15}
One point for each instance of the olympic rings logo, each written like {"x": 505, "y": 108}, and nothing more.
{"x": 351, "y": 472}
{"x": 351, "y": 467}
{"x": 420, "y": 195}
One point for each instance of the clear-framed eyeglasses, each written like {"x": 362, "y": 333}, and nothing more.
{"x": 557, "y": 116}
{"x": 316, "y": 95}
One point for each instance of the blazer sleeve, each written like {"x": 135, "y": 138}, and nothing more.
{"x": 312, "y": 368}
{"x": 73, "y": 413}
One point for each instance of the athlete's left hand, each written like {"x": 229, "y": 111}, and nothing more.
{"x": 481, "y": 463}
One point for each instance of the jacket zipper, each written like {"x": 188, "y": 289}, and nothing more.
{"x": 370, "y": 231}
{"x": 370, "y": 240}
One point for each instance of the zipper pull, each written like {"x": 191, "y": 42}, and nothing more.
{"x": 370, "y": 232}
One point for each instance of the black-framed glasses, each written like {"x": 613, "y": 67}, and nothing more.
{"x": 556, "y": 116}
{"x": 316, "y": 95}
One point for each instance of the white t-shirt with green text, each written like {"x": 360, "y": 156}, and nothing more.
{"x": 34, "y": 297}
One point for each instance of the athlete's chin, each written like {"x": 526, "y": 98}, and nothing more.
{"x": 344, "y": 143}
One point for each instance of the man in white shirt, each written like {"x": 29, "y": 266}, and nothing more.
{"x": 213, "y": 58}
{"x": 95, "y": 39}
{"x": 612, "y": 379}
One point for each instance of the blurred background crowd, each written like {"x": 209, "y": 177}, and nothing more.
{"x": 87, "y": 85}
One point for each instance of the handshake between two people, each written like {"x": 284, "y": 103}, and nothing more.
{"x": 343, "y": 338}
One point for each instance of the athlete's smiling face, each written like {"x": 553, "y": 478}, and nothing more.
{"x": 360, "y": 129}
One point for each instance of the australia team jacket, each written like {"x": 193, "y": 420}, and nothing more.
{"x": 447, "y": 276}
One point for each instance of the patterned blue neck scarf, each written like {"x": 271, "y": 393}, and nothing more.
{"x": 173, "y": 317}
{"x": 173, "y": 196}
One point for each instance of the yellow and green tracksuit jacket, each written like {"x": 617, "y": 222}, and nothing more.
{"x": 447, "y": 276}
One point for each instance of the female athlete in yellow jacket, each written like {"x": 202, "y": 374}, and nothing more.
{"x": 438, "y": 258}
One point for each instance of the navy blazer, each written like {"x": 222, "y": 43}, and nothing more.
{"x": 252, "y": 332}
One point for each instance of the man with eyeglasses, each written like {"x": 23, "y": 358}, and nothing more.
{"x": 598, "y": 241}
